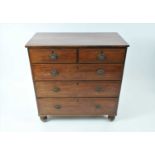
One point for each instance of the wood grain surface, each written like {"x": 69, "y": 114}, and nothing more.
{"x": 77, "y": 39}
{"x": 43, "y": 55}
{"x": 77, "y": 106}
{"x": 111, "y": 55}
{"x": 77, "y": 71}
{"x": 78, "y": 88}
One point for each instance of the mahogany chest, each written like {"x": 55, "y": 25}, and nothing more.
{"x": 77, "y": 74}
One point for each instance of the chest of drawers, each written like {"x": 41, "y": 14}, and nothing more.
{"x": 77, "y": 74}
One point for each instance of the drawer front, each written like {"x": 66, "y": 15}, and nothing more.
{"x": 77, "y": 71}
{"x": 102, "y": 55}
{"x": 78, "y": 89}
{"x": 49, "y": 55}
{"x": 77, "y": 106}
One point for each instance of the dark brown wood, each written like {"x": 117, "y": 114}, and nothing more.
{"x": 78, "y": 89}
{"x": 43, "y": 118}
{"x": 43, "y": 55}
{"x": 77, "y": 39}
{"x": 77, "y": 106}
{"x": 77, "y": 71}
{"x": 111, "y": 117}
{"x": 111, "y": 55}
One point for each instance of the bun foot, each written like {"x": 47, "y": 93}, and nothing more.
{"x": 111, "y": 118}
{"x": 43, "y": 118}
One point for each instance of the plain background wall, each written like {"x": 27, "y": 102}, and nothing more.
{"x": 136, "y": 110}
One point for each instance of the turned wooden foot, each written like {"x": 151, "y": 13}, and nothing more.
{"x": 43, "y": 118}
{"x": 111, "y": 118}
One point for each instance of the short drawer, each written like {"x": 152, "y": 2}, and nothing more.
{"x": 102, "y": 55}
{"x": 77, "y": 106}
{"x": 50, "y": 55}
{"x": 77, "y": 88}
{"x": 77, "y": 71}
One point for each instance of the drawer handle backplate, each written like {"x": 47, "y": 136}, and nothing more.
{"x": 98, "y": 89}
{"x": 56, "y": 89}
{"x": 100, "y": 71}
{"x": 57, "y": 106}
{"x": 98, "y": 106}
{"x": 54, "y": 72}
{"x": 100, "y": 57}
{"x": 54, "y": 56}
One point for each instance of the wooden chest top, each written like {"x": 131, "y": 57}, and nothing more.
{"x": 105, "y": 39}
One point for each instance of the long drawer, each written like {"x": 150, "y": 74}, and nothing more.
{"x": 77, "y": 71}
{"x": 77, "y": 88}
{"x": 77, "y": 106}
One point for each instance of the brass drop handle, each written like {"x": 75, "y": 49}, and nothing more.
{"x": 54, "y": 56}
{"x": 56, "y": 89}
{"x": 58, "y": 106}
{"x": 54, "y": 72}
{"x": 100, "y": 57}
{"x": 99, "y": 89}
{"x": 98, "y": 106}
{"x": 100, "y": 71}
